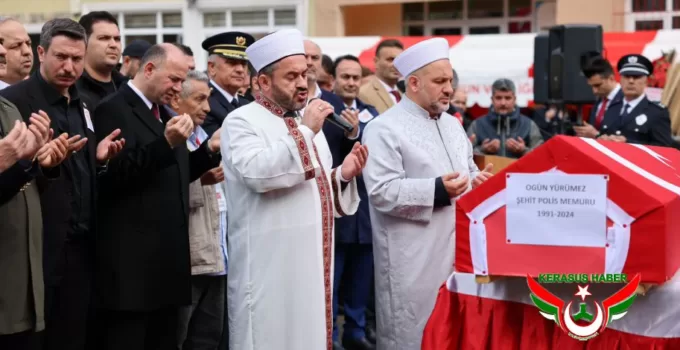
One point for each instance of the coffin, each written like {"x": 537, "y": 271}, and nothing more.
{"x": 641, "y": 230}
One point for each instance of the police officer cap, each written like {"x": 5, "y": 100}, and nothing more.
{"x": 136, "y": 49}
{"x": 230, "y": 45}
{"x": 635, "y": 65}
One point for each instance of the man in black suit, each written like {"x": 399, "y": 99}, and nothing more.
{"x": 227, "y": 69}
{"x": 602, "y": 81}
{"x": 143, "y": 270}
{"x": 67, "y": 203}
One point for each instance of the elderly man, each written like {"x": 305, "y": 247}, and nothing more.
{"x": 420, "y": 163}
{"x": 143, "y": 273}
{"x": 19, "y": 51}
{"x": 201, "y": 323}
{"x": 227, "y": 68}
{"x": 283, "y": 196}
{"x": 504, "y": 131}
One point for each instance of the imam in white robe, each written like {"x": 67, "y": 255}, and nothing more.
{"x": 413, "y": 242}
{"x": 282, "y": 200}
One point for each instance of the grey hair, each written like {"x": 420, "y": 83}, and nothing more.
{"x": 193, "y": 75}
{"x": 269, "y": 69}
{"x": 503, "y": 84}
{"x": 61, "y": 26}
{"x": 213, "y": 58}
{"x": 156, "y": 54}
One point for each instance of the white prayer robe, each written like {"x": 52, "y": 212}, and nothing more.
{"x": 280, "y": 242}
{"x": 413, "y": 242}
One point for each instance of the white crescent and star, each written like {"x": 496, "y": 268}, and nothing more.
{"x": 583, "y": 292}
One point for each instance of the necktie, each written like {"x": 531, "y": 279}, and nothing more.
{"x": 234, "y": 102}
{"x": 156, "y": 112}
{"x": 600, "y": 113}
{"x": 625, "y": 111}
{"x": 396, "y": 95}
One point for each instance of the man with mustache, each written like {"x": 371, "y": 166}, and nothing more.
{"x": 283, "y": 194}
{"x": 100, "y": 78}
{"x": 19, "y": 55}
{"x": 353, "y": 249}
{"x": 143, "y": 266}
{"x": 420, "y": 163}
{"x": 69, "y": 217}
{"x": 227, "y": 69}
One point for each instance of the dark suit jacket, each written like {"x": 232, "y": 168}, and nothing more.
{"x": 355, "y": 228}
{"x": 613, "y": 109}
{"x": 22, "y": 292}
{"x": 142, "y": 245}
{"x": 648, "y": 123}
{"x": 219, "y": 108}
{"x": 29, "y": 96}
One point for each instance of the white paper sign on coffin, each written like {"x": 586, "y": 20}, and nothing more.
{"x": 555, "y": 209}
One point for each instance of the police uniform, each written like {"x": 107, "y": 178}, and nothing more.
{"x": 232, "y": 46}
{"x": 639, "y": 120}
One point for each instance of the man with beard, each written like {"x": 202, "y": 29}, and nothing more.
{"x": 419, "y": 164}
{"x": 143, "y": 269}
{"x": 283, "y": 194}
{"x": 227, "y": 66}
{"x": 353, "y": 249}
{"x": 100, "y": 78}
{"x": 19, "y": 51}
{"x": 132, "y": 56}
{"x": 504, "y": 120}
{"x": 69, "y": 217}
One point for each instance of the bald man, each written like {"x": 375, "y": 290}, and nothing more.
{"x": 19, "y": 51}
{"x": 143, "y": 272}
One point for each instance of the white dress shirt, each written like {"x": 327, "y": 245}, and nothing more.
{"x": 226, "y": 95}
{"x": 632, "y": 104}
{"x": 389, "y": 90}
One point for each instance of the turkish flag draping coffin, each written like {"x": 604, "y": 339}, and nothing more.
{"x": 643, "y": 214}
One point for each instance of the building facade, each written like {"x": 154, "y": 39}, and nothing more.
{"x": 191, "y": 21}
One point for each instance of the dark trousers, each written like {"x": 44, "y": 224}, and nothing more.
{"x": 67, "y": 298}
{"x": 201, "y": 323}
{"x": 224, "y": 343}
{"x": 354, "y": 271}
{"x": 28, "y": 340}
{"x": 136, "y": 330}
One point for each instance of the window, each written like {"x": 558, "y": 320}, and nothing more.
{"x": 485, "y": 8}
{"x": 461, "y": 17}
{"x": 652, "y": 14}
{"x": 256, "y": 22}
{"x": 649, "y": 5}
{"x": 285, "y": 17}
{"x": 215, "y": 19}
{"x": 648, "y": 25}
{"x": 154, "y": 27}
{"x": 249, "y": 18}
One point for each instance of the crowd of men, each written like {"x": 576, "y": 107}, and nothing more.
{"x": 148, "y": 205}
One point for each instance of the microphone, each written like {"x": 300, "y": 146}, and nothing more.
{"x": 337, "y": 120}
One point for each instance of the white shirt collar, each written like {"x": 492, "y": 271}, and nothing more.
{"x": 353, "y": 105}
{"x": 614, "y": 91}
{"x": 226, "y": 95}
{"x": 3, "y": 85}
{"x": 317, "y": 92}
{"x": 632, "y": 103}
{"x": 387, "y": 87}
{"x": 140, "y": 94}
